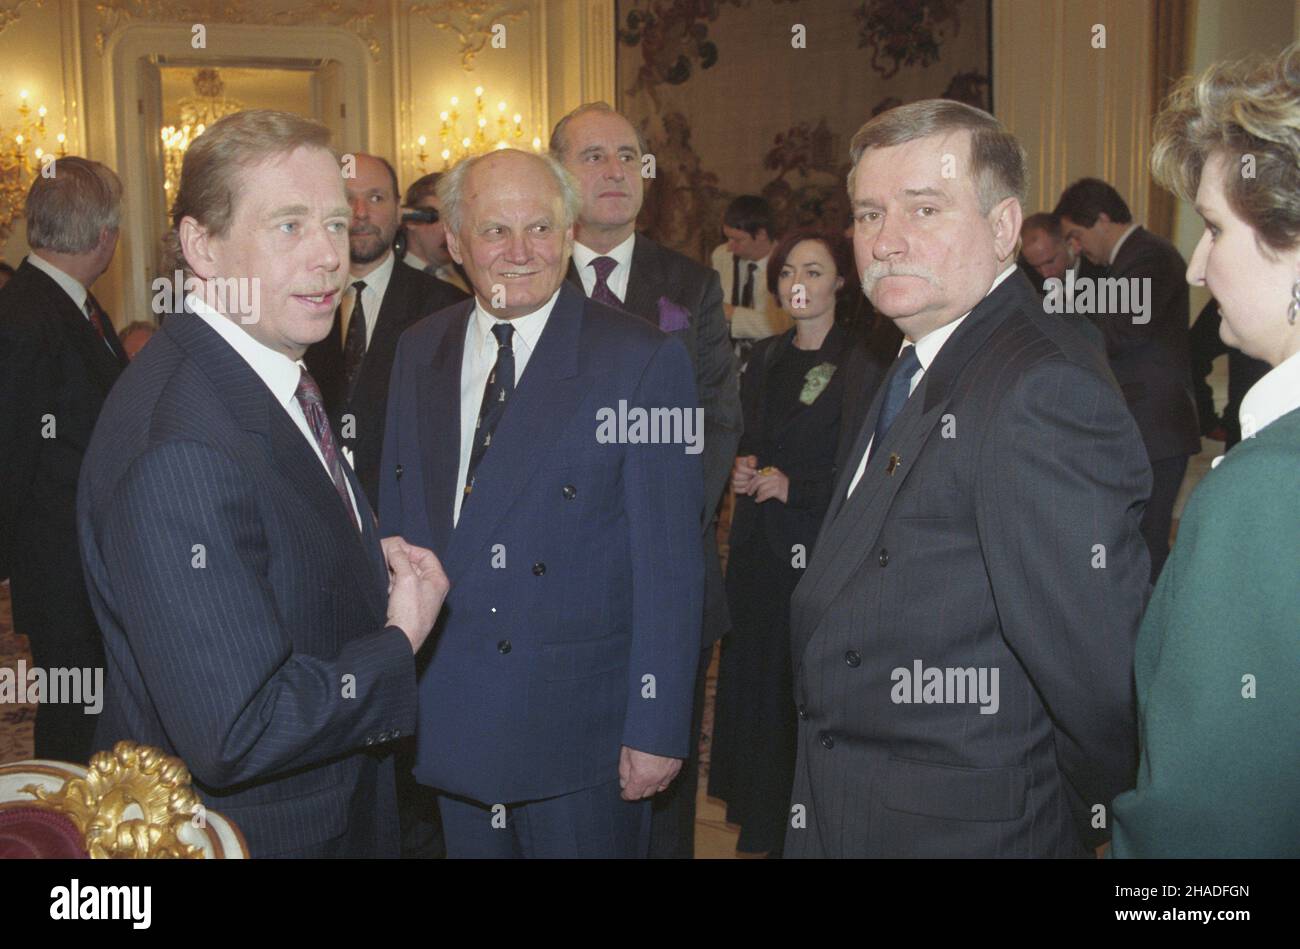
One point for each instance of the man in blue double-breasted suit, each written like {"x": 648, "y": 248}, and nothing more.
{"x": 546, "y": 447}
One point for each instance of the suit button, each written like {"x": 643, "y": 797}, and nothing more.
{"x": 570, "y": 492}
{"x": 827, "y": 741}
{"x": 503, "y": 647}
{"x": 884, "y": 557}
{"x": 803, "y": 713}
{"x": 539, "y": 568}
{"x": 852, "y": 658}
{"x": 370, "y": 739}
{"x": 399, "y": 471}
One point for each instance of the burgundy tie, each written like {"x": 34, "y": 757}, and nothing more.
{"x": 313, "y": 406}
{"x": 601, "y": 293}
{"x": 96, "y": 317}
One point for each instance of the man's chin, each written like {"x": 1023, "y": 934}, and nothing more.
{"x": 367, "y": 253}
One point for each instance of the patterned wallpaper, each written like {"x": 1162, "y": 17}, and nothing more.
{"x": 763, "y": 96}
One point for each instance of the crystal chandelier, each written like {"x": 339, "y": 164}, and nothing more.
{"x": 198, "y": 111}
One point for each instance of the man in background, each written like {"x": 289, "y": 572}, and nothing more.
{"x": 1149, "y": 354}
{"x": 426, "y": 240}
{"x": 741, "y": 265}
{"x": 59, "y": 357}
{"x": 616, "y": 266}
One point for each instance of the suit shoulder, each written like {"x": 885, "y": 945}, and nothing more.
{"x": 608, "y": 324}
{"x": 682, "y": 266}
{"x": 428, "y": 329}
{"x": 433, "y": 293}
{"x": 1031, "y": 337}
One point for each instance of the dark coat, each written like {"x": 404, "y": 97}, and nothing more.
{"x": 969, "y": 544}
{"x": 575, "y": 566}
{"x": 266, "y": 665}
{"x": 662, "y": 274}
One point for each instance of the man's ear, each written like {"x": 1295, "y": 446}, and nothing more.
{"x": 196, "y": 246}
{"x": 453, "y": 245}
{"x": 1006, "y": 218}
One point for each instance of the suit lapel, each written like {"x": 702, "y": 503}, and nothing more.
{"x": 541, "y": 407}
{"x": 853, "y": 524}
{"x": 645, "y": 282}
{"x": 105, "y": 362}
{"x": 438, "y": 402}
{"x": 255, "y": 409}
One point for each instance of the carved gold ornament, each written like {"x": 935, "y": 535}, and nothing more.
{"x": 134, "y": 777}
{"x": 471, "y": 20}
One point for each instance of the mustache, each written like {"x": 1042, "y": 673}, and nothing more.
{"x": 877, "y": 271}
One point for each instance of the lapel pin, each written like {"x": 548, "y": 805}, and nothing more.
{"x": 894, "y": 462}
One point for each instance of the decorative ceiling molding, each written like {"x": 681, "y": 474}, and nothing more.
{"x": 355, "y": 16}
{"x": 470, "y": 20}
{"x": 11, "y": 11}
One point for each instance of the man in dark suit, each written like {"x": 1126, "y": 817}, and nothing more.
{"x": 352, "y": 364}
{"x": 616, "y": 266}
{"x": 557, "y": 698}
{"x": 59, "y": 356}
{"x": 963, "y": 637}
{"x": 1148, "y": 348}
{"x": 250, "y": 625}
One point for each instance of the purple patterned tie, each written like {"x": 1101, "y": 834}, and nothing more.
{"x": 313, "y": 406}
{"x": 601, "y": 293}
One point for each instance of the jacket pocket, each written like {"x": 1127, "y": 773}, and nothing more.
{"x": 944, "y": 791}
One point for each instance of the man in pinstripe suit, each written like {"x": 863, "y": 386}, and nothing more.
{"x": 250, "y": 624}
{"x": 963, "y": 638}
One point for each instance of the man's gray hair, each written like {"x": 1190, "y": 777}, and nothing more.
{"x": 559, "y": 137}
{"x": 451, "y": 189}
{"x": 997, "y": 159}
{"x": 67, "y": 211}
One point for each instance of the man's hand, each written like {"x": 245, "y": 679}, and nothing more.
{"x": 417, "y": 587}
{"x": 770, "y": 483}
{"x": 728, "y": 309}
{"x": 643, "y": 775}
{"x": 742, "y": 473}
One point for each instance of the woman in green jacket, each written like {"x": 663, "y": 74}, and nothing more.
{"x": 1218, "y": 655}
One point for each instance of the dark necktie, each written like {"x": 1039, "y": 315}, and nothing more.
{"x": 104, "y": 329}
{"x": 896, "y": 391}
{"x": 601, "y": 293}
{"x": 354, "y": 347}
{"x": 96, "y": 317}
{"x": 747, "y": 298}
{"x": 735, "y": 280}
{"x": 313, "y": 406}
{"x": 500, "y": 384}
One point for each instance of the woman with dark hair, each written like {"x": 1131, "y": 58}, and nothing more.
{"x": 1218, "y": 655}
{"x": 792, "y": 398}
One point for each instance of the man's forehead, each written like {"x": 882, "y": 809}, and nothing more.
{"x": 592, "y": 129}
{"x": 927, "y": 165}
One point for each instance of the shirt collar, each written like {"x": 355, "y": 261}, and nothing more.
{"x": 1272, "y": 396}
{"x": 928, "y": 346}
{"x": 70, "y": 284}
{"x": 622, "y": 254}
{"x": 377, "y": 279}
{"x": 280, "y": 373}
{"x": 528, "y": 327}
{"x": 414, "y": 260}
{"x": 1114, "y": 251}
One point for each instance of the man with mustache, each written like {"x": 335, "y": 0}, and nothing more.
{"x": 963, "y": 637}
{"x": 353, "y": 363}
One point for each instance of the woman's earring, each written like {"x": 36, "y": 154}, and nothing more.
{"x": 1294, "y": 309}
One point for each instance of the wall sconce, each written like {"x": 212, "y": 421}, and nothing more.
{"x": 21, "y": 160}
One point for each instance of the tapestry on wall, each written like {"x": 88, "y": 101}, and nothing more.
{"x": 763, "y": 96}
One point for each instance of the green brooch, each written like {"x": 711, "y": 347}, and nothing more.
{"x": 815, "y": 381}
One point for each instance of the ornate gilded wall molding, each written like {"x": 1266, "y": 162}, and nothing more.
{"x": 470, "y": 20}
{"x": 355, "y": 16}
{"x": 11, "y": 11}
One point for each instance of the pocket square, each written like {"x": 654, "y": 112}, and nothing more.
{"x": 672, "y": 317}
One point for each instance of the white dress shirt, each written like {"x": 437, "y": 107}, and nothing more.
{"x": 927, "y": 348}
{"x": 476, "y": 365}
{"x": 618, "y": 277}
{"x": 71, "y": 286}
{"x": 765, "y": 318}
{"x": 277, "y": 371}
{"x": 1114, "y": 251}
{"x": 372, "y": 297}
